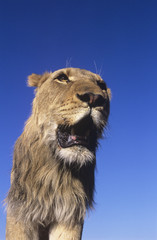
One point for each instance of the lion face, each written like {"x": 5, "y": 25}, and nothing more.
{"x": 70, "y": 110}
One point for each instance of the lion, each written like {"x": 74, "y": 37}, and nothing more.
{"x": 52, "y": 178}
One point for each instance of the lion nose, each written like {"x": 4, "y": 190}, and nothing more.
{"x": 93, "y": 100}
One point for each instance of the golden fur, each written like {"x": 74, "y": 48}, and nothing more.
{"x": 52, "y": 179}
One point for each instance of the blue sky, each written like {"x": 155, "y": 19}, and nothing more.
{"x": 117, "y": 38}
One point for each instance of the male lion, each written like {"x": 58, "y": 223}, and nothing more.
{"x": 52, "y": 179}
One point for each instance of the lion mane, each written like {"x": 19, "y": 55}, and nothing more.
{"x": 52, "y": 178}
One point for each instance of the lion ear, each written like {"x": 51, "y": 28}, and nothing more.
{"x": 109, "y": 93}
{"x": 36, "y": 80}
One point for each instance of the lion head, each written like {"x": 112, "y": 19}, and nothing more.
{"x": 70, "y": 110}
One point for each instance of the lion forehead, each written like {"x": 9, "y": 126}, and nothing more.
{"x": 75, "y": 73}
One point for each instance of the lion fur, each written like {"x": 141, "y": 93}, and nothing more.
{"x": 45, "y": 187}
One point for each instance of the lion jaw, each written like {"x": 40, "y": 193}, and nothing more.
{"x": 88, "y": 125}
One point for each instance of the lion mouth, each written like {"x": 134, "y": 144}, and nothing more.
{"x": 77, "y": 134}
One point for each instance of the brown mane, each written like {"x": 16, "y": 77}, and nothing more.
{"x": 52, "y": 180}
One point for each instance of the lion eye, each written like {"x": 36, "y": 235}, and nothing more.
{"x": 62, "y": 78}
{"x": 102, "y": 85}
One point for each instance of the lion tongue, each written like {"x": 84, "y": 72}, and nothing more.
{"x": 71, "y": 137}
{"x": 77, "y": 140}
{"x": 67, "y": 140}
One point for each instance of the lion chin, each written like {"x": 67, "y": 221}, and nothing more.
{"x": 76, "y": 154}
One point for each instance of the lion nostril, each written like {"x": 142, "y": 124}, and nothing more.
{"x": 94, "y": 100}
{"x": 100, "y": 101}
{"x": 85, "y": 97}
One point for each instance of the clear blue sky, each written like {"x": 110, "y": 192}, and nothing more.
{"x": 120, "y": 38}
